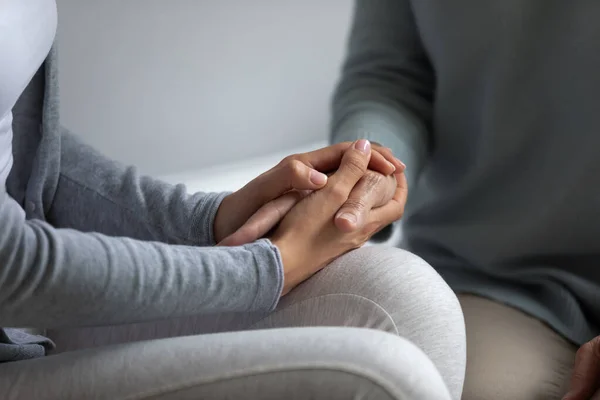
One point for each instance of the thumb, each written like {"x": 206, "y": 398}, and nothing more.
{"x": 366, "y": 195}
{"x": 372, "y": 190}
{"x": 586, "y": 372}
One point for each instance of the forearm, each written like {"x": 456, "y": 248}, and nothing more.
{"x": 95, "y": 194}
{"x": 400, "y": 131}
{"x": 61, "y": 277}
{"x": 385, "y": 92}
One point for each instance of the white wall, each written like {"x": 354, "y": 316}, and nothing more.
{"x": 177, "y": 85}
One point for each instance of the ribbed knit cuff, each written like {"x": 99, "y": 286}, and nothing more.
{"x": 203, "y": 218}
{"x": 269, "y": 267}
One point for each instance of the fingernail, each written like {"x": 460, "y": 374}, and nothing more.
{"x": 318, "y": 178}
{"x": 393, "y": 166}
{"x": 362, "y": 145}
{"x": 348, "y": 217}
{"x": 401, "y": 164}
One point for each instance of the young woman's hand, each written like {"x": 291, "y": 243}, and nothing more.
{"x": 308, "y": 238}
{"x": 297, "y": 174}
{"x": 373, "y": 190}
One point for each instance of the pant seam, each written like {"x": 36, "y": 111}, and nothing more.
{"x": 380, "y": 307}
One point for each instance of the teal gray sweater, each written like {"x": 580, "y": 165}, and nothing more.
{"x": 85, "y": 241}
{"x": 494, "y": 107}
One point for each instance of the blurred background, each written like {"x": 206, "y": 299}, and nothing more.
{"x": 194, "y": 89}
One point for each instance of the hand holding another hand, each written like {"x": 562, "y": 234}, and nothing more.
{"x": 255, "y": 209}
{"x": 308, "y": 238}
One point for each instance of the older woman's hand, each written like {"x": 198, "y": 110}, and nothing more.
{"x": 373, "y": 190}
{"x": 585, "y": 381}
{"x": 300, "y": 173}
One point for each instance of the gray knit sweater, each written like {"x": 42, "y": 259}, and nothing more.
{"x": 85, "y": 241}
{"x": 494, "y": 107}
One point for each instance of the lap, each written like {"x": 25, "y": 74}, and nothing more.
{"x": 383, "y": 289}
{"x": 379, "y": 288}
{"x": 511, "y": 355}
{"x": 318, "y": 363}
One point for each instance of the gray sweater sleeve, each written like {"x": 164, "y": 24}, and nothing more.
{"x": 61, "y": 277}
{"x": 386, "y": 89}
{"x": 96, "y": 194}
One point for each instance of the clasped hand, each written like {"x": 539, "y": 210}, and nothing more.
{"x": 311, "y": 217}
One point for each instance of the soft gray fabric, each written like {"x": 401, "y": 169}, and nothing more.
{"x": 83, "y": 240}
{"x": 309, "y": 363}
{"x": 18, "y": 344}
{"x": 493, "y": 107}
{"x": 383, "y": 289}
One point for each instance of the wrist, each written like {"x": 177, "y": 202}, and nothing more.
{"x": 221, "y": 228}
{"x": 292, "y": 271}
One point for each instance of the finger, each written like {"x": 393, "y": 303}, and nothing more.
{"x": 329, "y": 159}
{"x": 373, "y": 190}
{"x": 299, "y": 172}
{"x": 288, "y": 175}
{"x": 386, "y": 152}
{"x": 263, "y": 220}
{"x": 380, "y": 163}
{"x": 586, "y": 372}
{"x": 352, "y": 169}
{"x": 393, "y": 210}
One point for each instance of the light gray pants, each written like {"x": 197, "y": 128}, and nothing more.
{"x": 415, "y": 349}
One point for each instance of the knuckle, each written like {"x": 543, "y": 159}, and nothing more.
{"x": 337, "y": 194}
{"x": 355, "y": 166}
{"x": 356, "y": 204}
{"x": 287, "y": 160}
{"x": 292, "y": 169}
{"x": 295, "y": 167}
{"x": 373, "y": 176}
{"x": 373, "y": 179}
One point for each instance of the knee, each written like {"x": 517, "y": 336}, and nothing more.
{"x": 397, "y": 280}
{"x": 412, "y": 301}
